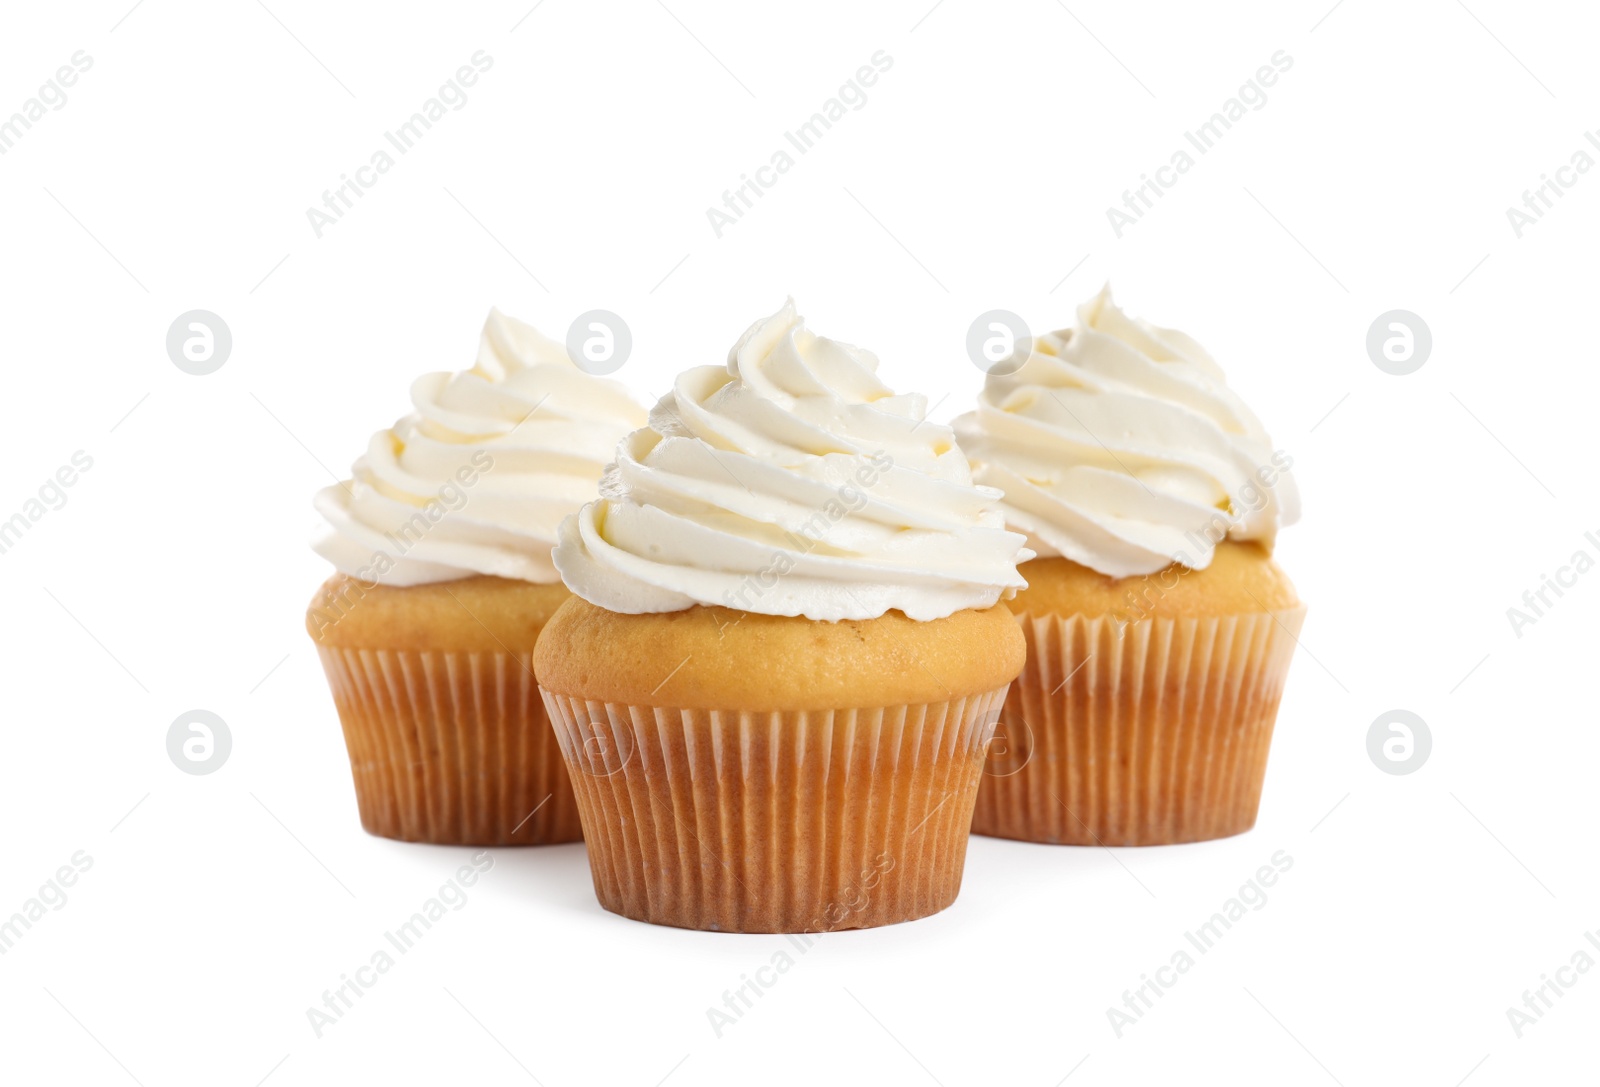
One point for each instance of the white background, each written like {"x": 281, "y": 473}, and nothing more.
{"x": 1377, "y": 176}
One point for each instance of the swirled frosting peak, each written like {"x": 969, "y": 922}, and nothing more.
{"x": 791, "y": 481}
{"x": 476, "y": 479}
{"x": 1119, "y": 446}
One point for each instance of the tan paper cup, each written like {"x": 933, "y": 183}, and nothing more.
{"x": 789, "y": 821}
{"x": 451, "y": 747}
{"x": 447, "y": 735}
{"x": 1148, "y": 732}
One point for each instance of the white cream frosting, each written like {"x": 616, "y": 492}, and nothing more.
{"x": 791, "y": 482}
{"x": 476, "y": 479}
{"x": 1119, "y": 445}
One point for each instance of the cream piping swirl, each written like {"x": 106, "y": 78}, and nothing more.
{"x": 792, "y": 482}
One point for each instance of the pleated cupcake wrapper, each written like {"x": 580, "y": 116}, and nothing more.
{"x": 1147, "y": 732}
{"x": 451, "y": 748}
{"x": 776, "y": 822}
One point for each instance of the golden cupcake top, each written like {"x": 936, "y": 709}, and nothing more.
{"x": 1240, "y": 579}
{"x": 718, "y": 658}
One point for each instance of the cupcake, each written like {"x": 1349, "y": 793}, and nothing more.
{"x": 786, "y": 649}
{"x": 441, "y": 540}
{"x": 1159, "y": 629}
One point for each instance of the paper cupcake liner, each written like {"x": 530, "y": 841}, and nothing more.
{"x": 805, "y": 821}
{"x": 1150, "y": 732}
{"x": 451, "y": 748}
